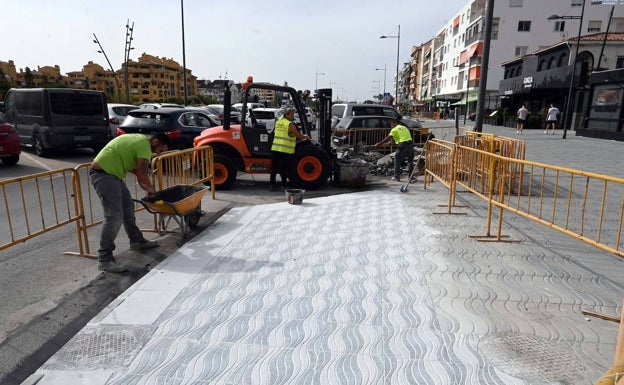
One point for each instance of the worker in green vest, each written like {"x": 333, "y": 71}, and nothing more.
{"x": 405, "y": 148}
{"x": 284, "y": 142}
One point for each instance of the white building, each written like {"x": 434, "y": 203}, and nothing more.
{"x": 518, "y": 27}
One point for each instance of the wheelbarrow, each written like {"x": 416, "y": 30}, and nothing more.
{"x": 181, "y": 203}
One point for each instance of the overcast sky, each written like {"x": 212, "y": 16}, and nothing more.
{"x": 272, "y": 40}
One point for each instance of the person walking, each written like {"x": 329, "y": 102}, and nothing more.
{"x": 551, "y": 118}
{"x": 522, "y": 114}
{"x": 405, "y": 148}
{"x": 126, "y": 153}
{"x": 283, "y": 147}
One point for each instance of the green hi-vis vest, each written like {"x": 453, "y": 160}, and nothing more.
{"x": 400, "y": 134}
{"x": 284, "y": 140}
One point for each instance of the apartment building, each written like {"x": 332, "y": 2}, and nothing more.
{"x": 150, "y": 78}
{"x": 452, "y": 61}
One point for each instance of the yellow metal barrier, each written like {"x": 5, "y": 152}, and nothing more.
{"x": 440, "y": 164}
{"x": 49, "y": 200}
{"x": 40, "y": 203}
{"x": 587, "y": 206}
{"x": 191, "y": 166}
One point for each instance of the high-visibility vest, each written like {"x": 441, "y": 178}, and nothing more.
{"x": 284, "y": 140}
{"x": 400, "y": 134}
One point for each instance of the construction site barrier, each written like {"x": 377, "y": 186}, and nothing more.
{"x": 584, "y": 205}
{"x": 39, "y": 203}
{"x": 49, "y": 200}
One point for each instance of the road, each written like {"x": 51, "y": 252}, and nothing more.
{"x": 45, "y": 292}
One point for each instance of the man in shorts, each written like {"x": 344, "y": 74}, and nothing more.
{"x": 551, "y": 119}
{"x": 522, "y": 114}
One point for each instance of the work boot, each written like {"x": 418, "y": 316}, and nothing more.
{"x": 144, "y": 244}
{"x": 112, "y": 266}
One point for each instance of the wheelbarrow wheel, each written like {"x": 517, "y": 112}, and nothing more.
{"x": 192, "y": 219}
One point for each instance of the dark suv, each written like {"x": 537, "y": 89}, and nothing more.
{"x": 181, "y": 124}
{"x": 341, "y": 110}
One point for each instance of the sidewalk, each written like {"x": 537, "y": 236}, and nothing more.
{"x": 365, "y": 288}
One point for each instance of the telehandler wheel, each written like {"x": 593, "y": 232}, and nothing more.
{"x": 224, "y": 172}
{"x": 311, "y": 167}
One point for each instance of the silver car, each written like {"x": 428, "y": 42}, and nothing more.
{"x": 117, "y": 113}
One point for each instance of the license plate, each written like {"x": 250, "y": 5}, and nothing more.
{"x": 82, "y": 137}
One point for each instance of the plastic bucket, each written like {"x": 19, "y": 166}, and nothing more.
{"x": 295, "y": 196}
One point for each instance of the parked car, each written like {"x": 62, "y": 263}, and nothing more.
{"x": 58, "y": 119}
{"x": 265, "y": 117}
{"x": 117, "y": 113}
{"x": 181, "y": 124}
{"x": 341, "y": 110}
{"x": 348, "y": 126}
{"x": 9, "y": 144}
{"x": 155, "y": 106}
{"x": 251, "y": 106}
{"x": 219, "y": 110}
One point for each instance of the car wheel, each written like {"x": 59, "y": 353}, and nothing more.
{"x": 310, "y": 167}
{"x": 40, "y": 150}
{"x": 11, "y": 160}
{"x": 224, "y": 172}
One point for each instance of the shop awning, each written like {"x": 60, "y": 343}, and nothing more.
{"x": 471, "y": 98}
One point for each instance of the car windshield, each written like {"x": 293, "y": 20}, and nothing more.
{"x": 153, "y": 119}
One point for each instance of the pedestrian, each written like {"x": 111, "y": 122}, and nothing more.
{"x": 283, "y": 147}
{"x": 523, "y": 113}
{"x": 405, "y": 148}
{"x": 126, "y": 153}
{"x": 551, "y": 118}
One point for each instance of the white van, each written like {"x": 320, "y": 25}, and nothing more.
{"x": 49, "y": 119}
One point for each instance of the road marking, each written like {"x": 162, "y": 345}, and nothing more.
{"x": 38, "y": 162}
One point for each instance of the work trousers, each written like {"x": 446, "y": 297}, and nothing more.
{"x": 118, "y": 209}
{"x": 405, "y": 150}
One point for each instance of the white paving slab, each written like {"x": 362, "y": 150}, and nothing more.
{"x": 365, "y": 288}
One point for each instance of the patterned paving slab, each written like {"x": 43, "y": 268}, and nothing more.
{"x": 367, "y": 288}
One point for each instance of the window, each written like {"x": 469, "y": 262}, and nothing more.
{"x": 619, "y": 62}
{"x": 559, "y": 26}
{"x": 594, "y": 26}
{"x": 524, "y": 26}
{"x": 495, "y": 28}
{"x": 515, "y": 3}
{"x": 576, "y": 3}
{"x": 521, "y": 50}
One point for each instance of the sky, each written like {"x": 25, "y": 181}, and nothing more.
{"x": 330, "y": 43}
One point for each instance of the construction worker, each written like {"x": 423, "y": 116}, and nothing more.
{"x": 284, "y": 142}
{"x": 405, "y": 147}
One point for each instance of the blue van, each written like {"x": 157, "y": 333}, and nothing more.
{"x": 56, "y": 119}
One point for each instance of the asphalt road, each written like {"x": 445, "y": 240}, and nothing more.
{"x": 46, "y": 296}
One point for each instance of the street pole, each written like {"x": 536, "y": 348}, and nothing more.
{"x": 568, "y": 109}
{"x": 127, "y": 48}
{"x": 184, "y": 55}
{"x": 485, "y": 62}
{"x": 316, "y": 79}
{"x": 384, "y": 87}
{"x": 396, "y": 89}
{"x": 109, "y": 65}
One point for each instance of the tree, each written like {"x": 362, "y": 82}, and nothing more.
{"x": 28, "y": 78}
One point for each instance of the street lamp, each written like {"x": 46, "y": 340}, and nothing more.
{"x": 568, "y": 108}
{"x": 378, "y": 82}
{"x": 183, "y": 55}
{"x": 316, "y": 79}
{"x": 127, "y": 48}
{"x": 384, "y": 70}
{"x": 396, "y": 90}
{"x": 96, "y": 41}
